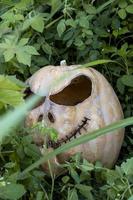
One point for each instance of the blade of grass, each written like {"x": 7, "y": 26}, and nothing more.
{"x": 82, "y": 139}
{"x": 12, "y": 118}
{"x": 103, "y": 6}
{"x": 98, "y": 62}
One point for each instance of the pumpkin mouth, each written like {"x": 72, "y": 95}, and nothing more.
{"x": 73, "y": 134}
{"x": 76, "y": 92}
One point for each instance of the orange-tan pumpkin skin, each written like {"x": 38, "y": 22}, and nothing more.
{"x": 73, "y": 94}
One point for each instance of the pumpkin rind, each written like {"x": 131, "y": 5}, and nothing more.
{"x": 102, "y": 108}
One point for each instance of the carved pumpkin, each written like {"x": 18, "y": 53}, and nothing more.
{"x": 77, "y": 101}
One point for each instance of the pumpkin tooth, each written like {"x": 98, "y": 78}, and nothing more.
{"x": 84, "y": 128}
{"x": 67, "y": 138}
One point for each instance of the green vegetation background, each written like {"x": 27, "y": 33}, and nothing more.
{"x": 38, "y": 33}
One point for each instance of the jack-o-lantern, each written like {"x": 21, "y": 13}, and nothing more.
{"x": 76, "y": 101}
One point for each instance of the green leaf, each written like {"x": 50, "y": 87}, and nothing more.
{"x": 120, "y": 86}
{"x": 122, "y": 3}
{"x": 31, "y": 50}
{"x": 10, "y": 165}
{"x": 47, "y": 48}
{"x": 23, "y": 41}
{"x": 127, "y": 80}
{"x": 74, "y": 175}
{"x": 65, "y": 179}
{"x": 128, "y": 166}
{"x": 86, "y": 166}
{"x": 23, "y": 52}
{"x": 38, "y": 23}
{"x": 84, "y": 22}
{"x": 39, "y": 195}
{"x": 73, "y": 195}
{"x": 85, "y": 191}
{"x": 8, "y": 55}
{"x": 91, "y": 10}
{"x": 23, "y": 57}
{"x": 56, "y": 5}
{"x": 129, "y": 9}
{"x": 122, "y": 13}
{"x": 11, "y": 97}
{"x": 61, "y": 27}
{"x": 12, "y": 191}
{"x": 10, "y": 83}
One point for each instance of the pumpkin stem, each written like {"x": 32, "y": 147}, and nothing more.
{"x": 63, "y": 63}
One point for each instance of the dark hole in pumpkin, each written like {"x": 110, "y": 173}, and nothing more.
{"x": 76, "y": 92}
{"x": 40, "y": 118}
{"x": 51, "y": 117}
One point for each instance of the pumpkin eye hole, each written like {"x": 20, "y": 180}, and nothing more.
{"x": 27, "y": 92}
{"x": 51, "y": 117}
{"x": 76, "y": 92}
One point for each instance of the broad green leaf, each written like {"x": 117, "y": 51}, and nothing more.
{"x": 11, "y": 17}
{"x": 71, "y": 22}
{"x": 65, "y": 179}
{"x": 12, "y": 191}
{"x": 86, "y": 166}
{"x": 10, "y": 91}
{"x": 91, "y": 10}
{"x": 22, "y": 51}
{"x": 24, "y": 4}
{"x": 11, "y": 97}
{"x": 47, "y": 48}
{"x": 7, "y": 83}
{"x": 37, "y": 23}
{"x": 8, "y": 55}
{"x": 122, "y": 13}
{"x": 128, "y": 166}
{"x": 56, "y": 5}
{"x": 85, "y": 191}
{"x": 23, "y": 41}
{"x": 122, "y": 3}
{"x": 31, "y": 50}
{"x": 61, "y": 27}
{"x": 26, "y": 24}
{"x": 84, "y": 22}
{"x": 127, "y": 80}
{"x": 129, "y": 9}
{"x": 23, "y": 57}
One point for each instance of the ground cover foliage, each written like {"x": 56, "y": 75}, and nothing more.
{"x": 37, "y": 33}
